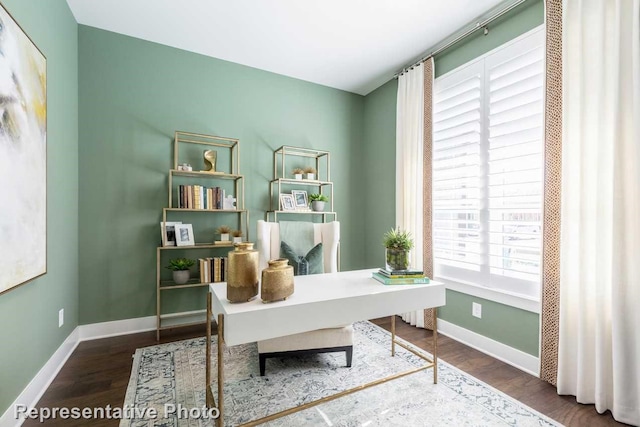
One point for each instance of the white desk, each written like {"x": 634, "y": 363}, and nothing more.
{"x": 319, "y": 301}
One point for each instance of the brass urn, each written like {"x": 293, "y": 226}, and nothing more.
{"x": 277, "y": 280}
{"x": 242, "y": 279}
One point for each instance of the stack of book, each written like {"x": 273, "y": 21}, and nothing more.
{"x": 213, "y": 270}
{"x": 400, "y": 277}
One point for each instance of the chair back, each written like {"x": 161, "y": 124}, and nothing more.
{"x": 328, "y": 234}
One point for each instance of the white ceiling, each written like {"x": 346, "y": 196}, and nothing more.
{"x": 354, "y": 45}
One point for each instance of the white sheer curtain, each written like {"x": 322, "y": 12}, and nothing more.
{"x": 599, "y": 337}
{"x": 409, "y": 151}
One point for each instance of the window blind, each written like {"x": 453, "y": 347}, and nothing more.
{"x": 487, "y": 169}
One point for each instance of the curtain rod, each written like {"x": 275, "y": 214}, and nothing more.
{"x": 478, "y": 25}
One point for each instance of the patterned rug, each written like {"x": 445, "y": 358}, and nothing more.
{"x": 173, "y": 374}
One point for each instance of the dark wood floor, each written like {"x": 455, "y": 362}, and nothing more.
{"x": 97, "y": 374}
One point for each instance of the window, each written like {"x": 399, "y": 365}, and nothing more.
{"x": 487, "y": 169}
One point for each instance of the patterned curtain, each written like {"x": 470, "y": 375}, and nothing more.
{"x": 552, "y": 182}
{"x": 427, "y": 241}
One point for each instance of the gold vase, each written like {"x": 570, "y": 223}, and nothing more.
{"x": 242, "y": 280}
{"x": 277, "y": 280}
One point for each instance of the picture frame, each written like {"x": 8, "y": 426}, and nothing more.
{"x": 300, "y": 200}
{"x": 168, "y": 232}
{"x": 23, "y": 157}
{"x": 287, "y": 202}
{"x": 184, "y": 235}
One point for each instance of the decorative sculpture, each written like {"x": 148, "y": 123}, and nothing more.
{"x": 210, "y": 160}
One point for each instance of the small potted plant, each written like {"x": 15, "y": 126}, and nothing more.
{"x": 237, "y": 236}
{"x": 297, "y": 173}
{"x": 398, "y": 246}
{"x": 223, "y": 231}
{"x": 180, "y": 268}
{"x": 317, "y": 202}
{"x": 310, "y": 172}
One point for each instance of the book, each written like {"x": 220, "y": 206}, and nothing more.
{"x": 401, "y": 281}
{"x": 401, "y": 274}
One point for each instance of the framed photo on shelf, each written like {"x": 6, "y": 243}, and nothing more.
{"x": 184, "y": 235}
{"x": 168, "y": 233}
{"x": 287, "y": 203}
{"x": 300, "y": 200}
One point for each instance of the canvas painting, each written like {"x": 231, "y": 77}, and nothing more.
{"x": 23, "y": 156}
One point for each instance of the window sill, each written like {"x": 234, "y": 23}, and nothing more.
{"x": 513, "y": 300}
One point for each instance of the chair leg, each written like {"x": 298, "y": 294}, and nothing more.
{"x": 263, "y": 360}
{"x": 349, "y": 353}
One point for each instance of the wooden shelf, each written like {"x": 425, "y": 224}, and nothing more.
{"x": 205, "y": 210}
{"x": 204, "y": 174}
{"x": 181, "y": 320}
{"x": 200, "y": 246}
{"x": 303, "y": 212}
{"x": 169, "y": 284}
{"x": 310, "y": 182}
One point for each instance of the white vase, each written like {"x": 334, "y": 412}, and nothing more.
{"x": 297, "y": 176}
{"x": 224, "y": 237}
{"x": 311, "y": 176}
{"x": 317, "y": 206}
{"x": 180, "y": 277}
{"x": 237, "y": 240}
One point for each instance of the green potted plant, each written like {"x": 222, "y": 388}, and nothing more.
{"x": 180, "y": 268}
{"x": 297, "y": 173}
{"x": 398, "y": 246}
{"x": 311, "y": 172}
{"x": 317, "y": 202}
{"x": 223, "y": 231}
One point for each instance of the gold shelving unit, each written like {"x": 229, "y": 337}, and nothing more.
{"x": 282, "y": 157}
{"x": 229, "y": 172}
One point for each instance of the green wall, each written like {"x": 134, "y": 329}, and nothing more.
{"x": 379, "y": 159}
{"x": 133, "y": 95}
{"x": 511, "y": 326}
{"x": 29, "y": 313}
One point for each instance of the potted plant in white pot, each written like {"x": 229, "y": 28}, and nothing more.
{"x": 398, "y": 246}
{"x": 237, "y": 236}
{"x": 310, "y": 172}
{"x": 297, "y": 173}
{"x": 180, "y": 268}
{"x": 223, "y": 231}
{"x": 317, "y": 202}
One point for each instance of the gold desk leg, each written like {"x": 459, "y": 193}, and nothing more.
{"x": 393, "y": 336}
{"x": 209, "y": 396}
{"x": 220, "y": 420}
{"x": 435, "y": 345}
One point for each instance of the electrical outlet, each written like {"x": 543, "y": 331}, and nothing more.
{"x": 61, "y": 318}
{"x": 476, "y": 310}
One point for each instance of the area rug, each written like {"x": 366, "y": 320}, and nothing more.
{"x": 173, "y": 374}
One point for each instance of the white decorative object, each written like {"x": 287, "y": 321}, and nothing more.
{"x": 237, "y": 240}
{"x": 229, "y": 203}
{"x": 311, "y": 176}
{"x": 224, "y": 237}
{"x": 298, "y": 176}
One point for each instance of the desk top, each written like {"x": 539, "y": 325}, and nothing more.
{"x": 321, "y": 301}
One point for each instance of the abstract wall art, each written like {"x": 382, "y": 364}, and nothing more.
{"x": 23, "y": 156}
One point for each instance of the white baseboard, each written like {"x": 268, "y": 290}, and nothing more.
{"x": 39, "y": 384}
{"x": 96, "y": 331}
{"x": 514, "y": 357}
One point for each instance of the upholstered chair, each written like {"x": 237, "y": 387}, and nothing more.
{"x": 319, "y": 341}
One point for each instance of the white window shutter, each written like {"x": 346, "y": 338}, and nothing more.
{"x": 487, "y": 169}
